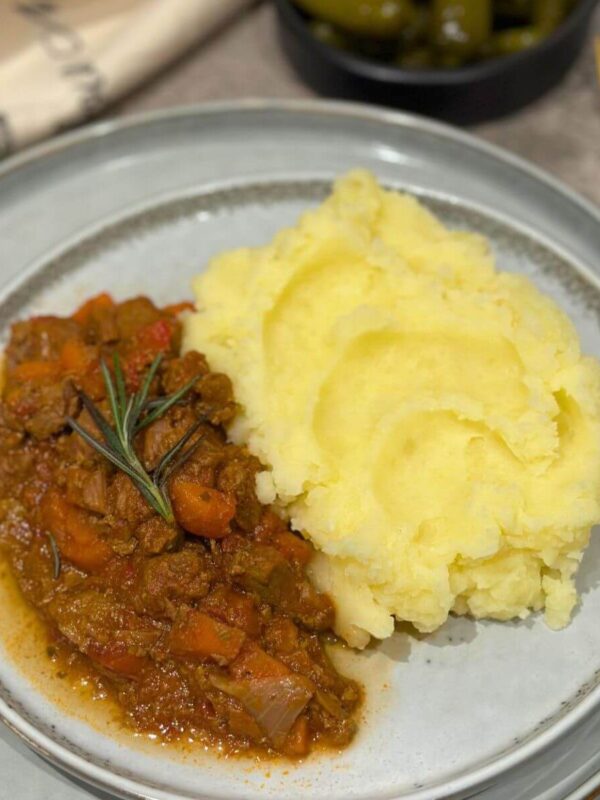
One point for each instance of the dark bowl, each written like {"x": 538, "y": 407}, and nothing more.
{"x": 464, "y": 95}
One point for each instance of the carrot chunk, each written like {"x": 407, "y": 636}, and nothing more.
{"x": 273, "y": 530}
{"x": 201, "y": 636}
{"x": 35, "y": 371}
{"x": 76, "y": 357}
{"x": 77, "y": 537}
{"x": 254, "y": 663}
{"x": 117, "y": 659}
{"x": 202, "y": 510}
{"x": 297, "y": 742}
{"x": 293, "y": 547}
{"x": 85, "y": 311}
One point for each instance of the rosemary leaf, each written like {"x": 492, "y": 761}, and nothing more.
{"x": 156, "y": 499}
{"x": 57, "y": 563}
{"x": 182, "y": 458}
{"x": 116, "y": 457}
{"x": 159, "y": 473}
{"x": 110, "y": 390}
{"x": 100, "y": 420}
{"x": 162, "y": 405}
{"x": 120, "y": 383}
{"x": 142, "y": 395}
{"x": 128, "y": 420}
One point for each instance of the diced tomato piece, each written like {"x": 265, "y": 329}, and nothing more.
{"x": 145, "y": 345}
{"x": 201, "y": 636}
{"x": 202, "y": 510}
{"x": 78, "y": 538}
{"x": 85, "y": 311}
{"x": 156, "y": 337}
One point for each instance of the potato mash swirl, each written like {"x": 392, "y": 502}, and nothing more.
{"x": 428, "y": 422}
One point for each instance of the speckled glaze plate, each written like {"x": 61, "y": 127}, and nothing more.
{"x": 479, "y": 709}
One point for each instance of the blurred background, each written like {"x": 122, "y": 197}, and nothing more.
{"x": 524, "y": 74}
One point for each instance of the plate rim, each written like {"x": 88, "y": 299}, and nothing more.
{"x": 59, "y": 754}
{"x": 335, "y": 108}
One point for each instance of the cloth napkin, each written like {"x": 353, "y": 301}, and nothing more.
{"x": 62, "y": 61}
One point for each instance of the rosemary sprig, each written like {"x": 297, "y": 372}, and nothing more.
{"x": 131, "y": 414}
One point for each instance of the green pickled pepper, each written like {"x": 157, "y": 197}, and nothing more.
{"x": 415, "y": 58}
{"x": 460, "y": 27}
{"x": 548, "y": 14}
{"x": 424, "y": 34}
{"x": 380, "y": 19}
{"x": 514, "y": 40}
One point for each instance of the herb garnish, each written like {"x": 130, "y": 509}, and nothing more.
{"x": 56, "y": 559}
{"x": 131, "y": 414}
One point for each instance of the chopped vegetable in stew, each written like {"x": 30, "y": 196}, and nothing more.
{"x": 197, "y": 613}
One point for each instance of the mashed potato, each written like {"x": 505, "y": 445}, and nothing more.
{"x": 428, "y": 422}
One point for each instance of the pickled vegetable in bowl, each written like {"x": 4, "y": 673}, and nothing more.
{"x": 434, "y": 33}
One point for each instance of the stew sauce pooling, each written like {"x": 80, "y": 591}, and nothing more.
{"x": 208, "y": 625}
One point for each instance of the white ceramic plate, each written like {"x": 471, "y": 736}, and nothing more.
{"x": 139, "y": 207}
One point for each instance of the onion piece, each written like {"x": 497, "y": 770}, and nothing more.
{"x": 331, "y": 704}
{"x": 275, "y": 703}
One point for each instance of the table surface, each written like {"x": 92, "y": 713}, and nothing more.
{"x": 560, "y": 133}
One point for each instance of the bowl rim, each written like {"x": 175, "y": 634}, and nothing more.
{"x": 471, "y": 73}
